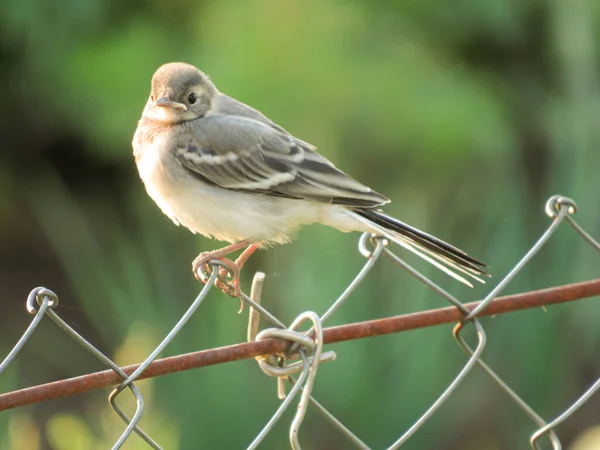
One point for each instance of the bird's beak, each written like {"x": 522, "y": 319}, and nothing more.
{"x": 164, "y": 102}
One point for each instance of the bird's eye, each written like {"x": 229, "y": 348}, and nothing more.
{"x": 151, "y": 97}
{"x": 192, "y": 98}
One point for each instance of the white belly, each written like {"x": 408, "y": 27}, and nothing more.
{"x": 228, "y": 215}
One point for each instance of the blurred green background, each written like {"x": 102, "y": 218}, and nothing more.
{"x": 468, "y": 114}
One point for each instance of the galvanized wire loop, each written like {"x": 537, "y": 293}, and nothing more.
{"x": 36, "y": 298}
{"x": 277, "y": 367}
{"x": 558, "y": 202}
{"x": 378, "y": 242}
{"x": 270, "y": 366}
{"x": 308, "y": 368}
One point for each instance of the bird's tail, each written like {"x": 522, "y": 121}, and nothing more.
{"x": 445, "y": 257}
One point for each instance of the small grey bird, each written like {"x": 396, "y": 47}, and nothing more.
{"x": 222, "y": 169}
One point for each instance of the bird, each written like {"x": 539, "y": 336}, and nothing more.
{"x": 224, "y": 170}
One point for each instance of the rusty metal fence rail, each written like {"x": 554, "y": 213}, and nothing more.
{"x": 293, "y": 357}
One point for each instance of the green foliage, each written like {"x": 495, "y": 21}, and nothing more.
{"x": 468, "y": 115}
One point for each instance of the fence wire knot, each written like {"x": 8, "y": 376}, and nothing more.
{"x": 36, "y": 299}
{"x": 275, "y": 365}
{"x": 557, "y": 202}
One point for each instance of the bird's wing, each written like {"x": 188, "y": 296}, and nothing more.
{"x": 243, "y": 154}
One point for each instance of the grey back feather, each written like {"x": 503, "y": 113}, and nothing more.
{"x": 237, "y": 147}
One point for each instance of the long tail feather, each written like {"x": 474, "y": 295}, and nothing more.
{"x": 442, "y": 255}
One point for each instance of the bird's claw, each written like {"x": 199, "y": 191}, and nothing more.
{"x": 228, "y": 278}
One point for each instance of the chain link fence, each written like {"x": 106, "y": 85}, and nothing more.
{"x": 293, "y": 357}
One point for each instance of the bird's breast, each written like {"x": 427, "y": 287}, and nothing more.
{"x": 152, "y": 159}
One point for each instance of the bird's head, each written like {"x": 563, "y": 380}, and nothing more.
{"x": 180, "y": 92}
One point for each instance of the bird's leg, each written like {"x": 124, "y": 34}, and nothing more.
{"x": 234, "y": 273}
{"x": 239, "y": 263}
{"x": 241, "y": 260}
{"x": 233, "y": 268}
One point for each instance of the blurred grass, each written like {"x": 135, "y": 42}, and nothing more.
{"x": 468, "y": 116}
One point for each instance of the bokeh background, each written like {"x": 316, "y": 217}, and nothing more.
{"x": 468, "y": 114}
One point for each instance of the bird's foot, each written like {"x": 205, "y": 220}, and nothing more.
{"x": 228, "y": 279}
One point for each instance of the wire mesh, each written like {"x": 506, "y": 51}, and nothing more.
{"x": 283, "y": 351}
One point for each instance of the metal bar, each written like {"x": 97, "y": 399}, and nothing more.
{"x": 451, "y": 314}
{"x": 359, "y": 330}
